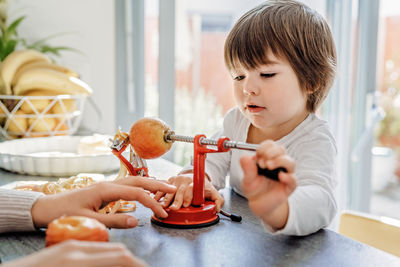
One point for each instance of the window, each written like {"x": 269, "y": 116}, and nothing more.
{"x": 385, "y": 154}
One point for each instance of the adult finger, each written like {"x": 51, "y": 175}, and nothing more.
{"x": 120, "y": 221}
{"x": 88, "y": 246}
{"x": 146, "y": 183}
{"x": 111, "y": 192}
{"x": 111, "y": 258}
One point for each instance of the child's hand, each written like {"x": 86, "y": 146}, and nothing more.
{"x": 86, "y": 201}
{"x": 184, "y": 193}
{"x": 268, "y": 198}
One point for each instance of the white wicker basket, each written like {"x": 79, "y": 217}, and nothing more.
{"x": 38, "y": 116}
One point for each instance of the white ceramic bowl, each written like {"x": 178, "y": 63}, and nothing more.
{"x": 53, "y": 156}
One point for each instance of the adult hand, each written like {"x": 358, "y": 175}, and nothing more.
{"x": 86, "y": 201}
{"x": 74, "y": 253}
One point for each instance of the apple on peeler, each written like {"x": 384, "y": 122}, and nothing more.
{"x": 147, "y": 138}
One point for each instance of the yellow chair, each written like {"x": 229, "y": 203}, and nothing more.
{"x": 377, "y": 231}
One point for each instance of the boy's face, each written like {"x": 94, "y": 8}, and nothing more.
{"x": 270, "y": 95}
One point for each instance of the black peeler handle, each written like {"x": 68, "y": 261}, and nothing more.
{"x": 270, "y": 174}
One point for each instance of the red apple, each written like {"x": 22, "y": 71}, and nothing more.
{"x": 147, "y": 138}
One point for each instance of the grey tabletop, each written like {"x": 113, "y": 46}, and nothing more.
{"x": 224, "y": 244}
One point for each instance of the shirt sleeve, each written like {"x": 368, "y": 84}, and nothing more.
{"x": 218, "y": 164}
{"x": 312, "y": 205}
{"x": 15, "y": 211}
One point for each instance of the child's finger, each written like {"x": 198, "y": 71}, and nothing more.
{"x": 271, "y": 153}
{"x": 217, "y": 198}
{"x": 159, "y": 195}
{"x": 283, "y": 161}
{"x": 265, "y": 146}
{"x": 249, "y": 168}
{"x": 289, "y": 181}
{"x": 167, "y": 200}
{"x": 252, "y": 182}
{"x": 177, "y": 204}
{"x": 188, "y": 197}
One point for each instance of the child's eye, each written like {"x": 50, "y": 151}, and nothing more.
{"x": 238, "y": 78}
{"x": 267, "y": 75}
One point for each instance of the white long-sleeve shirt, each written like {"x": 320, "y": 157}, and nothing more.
{"x": 312, "y": 205}
{"x": 15, "y": 210}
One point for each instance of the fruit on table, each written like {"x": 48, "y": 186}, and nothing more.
{"x": 61, "y": 126}
{"x": 75, "y": 227}
{"x": 32, "y": 74}
{"x": 69, "y": 106}
{"x": 18, "y": 123}
{"x": 147, "y": 138}
{"x": 40, "y": 104}
{"x": 26, "y": 70}
{"x": 42, "y": 65}
{"x": 13, "y": 62}
{"x": 42, "y": 124}
{"x": 48, "y": 79}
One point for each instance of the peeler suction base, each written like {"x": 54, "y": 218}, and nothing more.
{"x": 190, "y": 217}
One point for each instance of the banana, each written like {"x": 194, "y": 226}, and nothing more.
{"x": 15, "y": 60}
{"x": 42, "y": 64}
{"x": 42, "y": 124}
{"x": 40, "y": 104}
{"x": 18, "y": 123}
{"x": 50, "y": 80}
{"x": 69, "y": 106}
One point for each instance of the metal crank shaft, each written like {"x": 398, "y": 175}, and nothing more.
{"x": 212, "y": 142}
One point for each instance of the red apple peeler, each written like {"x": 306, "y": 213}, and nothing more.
{"x": 203, "y": 212}
{"x": 136, "y": 166}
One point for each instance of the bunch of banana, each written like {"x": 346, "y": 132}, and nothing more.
{"x": 31, "y": 73}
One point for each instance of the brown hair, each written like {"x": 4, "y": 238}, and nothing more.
{"x": 291, "y": 30}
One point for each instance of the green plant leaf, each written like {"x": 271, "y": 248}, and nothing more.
{"x": 8, "y": 48}
{"x": 12, "y": 29}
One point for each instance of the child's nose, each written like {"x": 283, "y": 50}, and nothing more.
{"x": 250, "y": 90}
{"x": 251, "y": 86}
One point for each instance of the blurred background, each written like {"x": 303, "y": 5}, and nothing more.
{"x": 164, "y": 58}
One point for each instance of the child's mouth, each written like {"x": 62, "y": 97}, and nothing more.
{"x": 254, "y": 108}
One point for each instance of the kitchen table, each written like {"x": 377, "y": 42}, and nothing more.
{"x": 224, "y": 244}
